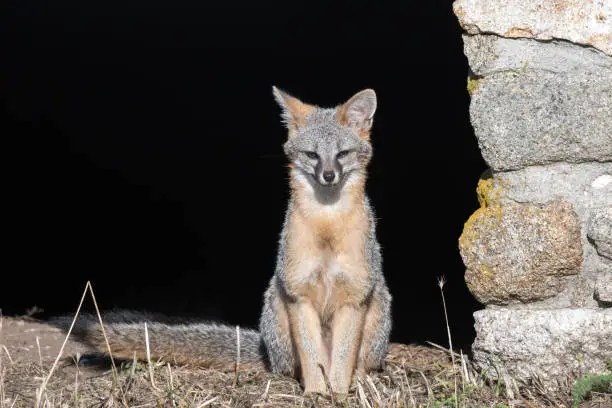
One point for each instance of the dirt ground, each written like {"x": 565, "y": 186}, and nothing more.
{"x": 416, "y": 376}
{"x": 19, "y": 336}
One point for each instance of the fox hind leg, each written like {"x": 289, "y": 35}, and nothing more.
{"x": 276, "y": 333}
{"x": 376, "y": 331}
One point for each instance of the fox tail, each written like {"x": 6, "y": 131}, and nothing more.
{"x": 185, "y": 342}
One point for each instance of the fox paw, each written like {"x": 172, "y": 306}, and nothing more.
{"x": 360, "y": 375}
{"x": 336, "y": 396}
{"x": 313, "y": 391}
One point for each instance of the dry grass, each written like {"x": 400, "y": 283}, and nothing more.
{"x": 415, "y": 376}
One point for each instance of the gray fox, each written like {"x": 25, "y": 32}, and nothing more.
{"x": 327, "y": 307}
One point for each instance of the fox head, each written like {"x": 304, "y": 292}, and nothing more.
{"x": 328, "y": 147}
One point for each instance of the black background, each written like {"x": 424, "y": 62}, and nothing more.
{"x": 143, "y": 151}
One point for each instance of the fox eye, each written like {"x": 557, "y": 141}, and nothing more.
{"x": 312, "y": 155}
{"x": 342, "y": 154}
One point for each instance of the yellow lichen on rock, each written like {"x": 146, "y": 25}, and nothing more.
{"x": 490, "y": 191}
{"x": 472, "y": 85}
{"x": 516, "y": 252}
{"x": 469, "y": 233}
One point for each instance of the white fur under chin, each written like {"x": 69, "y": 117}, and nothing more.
{"x": 314, "y": 206}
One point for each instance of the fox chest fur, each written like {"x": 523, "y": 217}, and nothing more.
{"x": 326, "y": 260}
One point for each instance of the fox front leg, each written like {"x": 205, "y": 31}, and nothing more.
{"x": 347, "y": 328}
{"x": 306, "y": 326}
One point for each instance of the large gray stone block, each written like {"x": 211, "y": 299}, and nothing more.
{"x": 588, "y": 187}
{"x": 520, "y": 253}
{"x": 490, "y": 54}
{"x": 548, "y": 345}
{"x": 586, "y": 22}
{"x": 538, "y": 117}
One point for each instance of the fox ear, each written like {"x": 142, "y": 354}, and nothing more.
{"x": 358, "y": 112}
{"x": 294, "y": 111}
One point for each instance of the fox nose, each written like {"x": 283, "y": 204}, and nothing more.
{"x": 328, "y": 176}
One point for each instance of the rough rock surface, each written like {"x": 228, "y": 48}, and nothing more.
{"x": 603, "y": 289}
{"x": 520, "y": 252}
{"x": 534, "y": 118}
{"x": 600, "y": 231}
{"x": 544, "y": 344}
{"x": 536, "y": 103}
{"x": 584, "y": 185}
{"x": 538, "y": 250}
{"x": 588, "y": 186}
{"x": 490, "y": 54}
{"x": 584, "y": 22}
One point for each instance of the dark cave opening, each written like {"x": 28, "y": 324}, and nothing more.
{"x": 145, "y": 153}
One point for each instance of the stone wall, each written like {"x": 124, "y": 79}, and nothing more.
{"x": 538, "y": 251}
